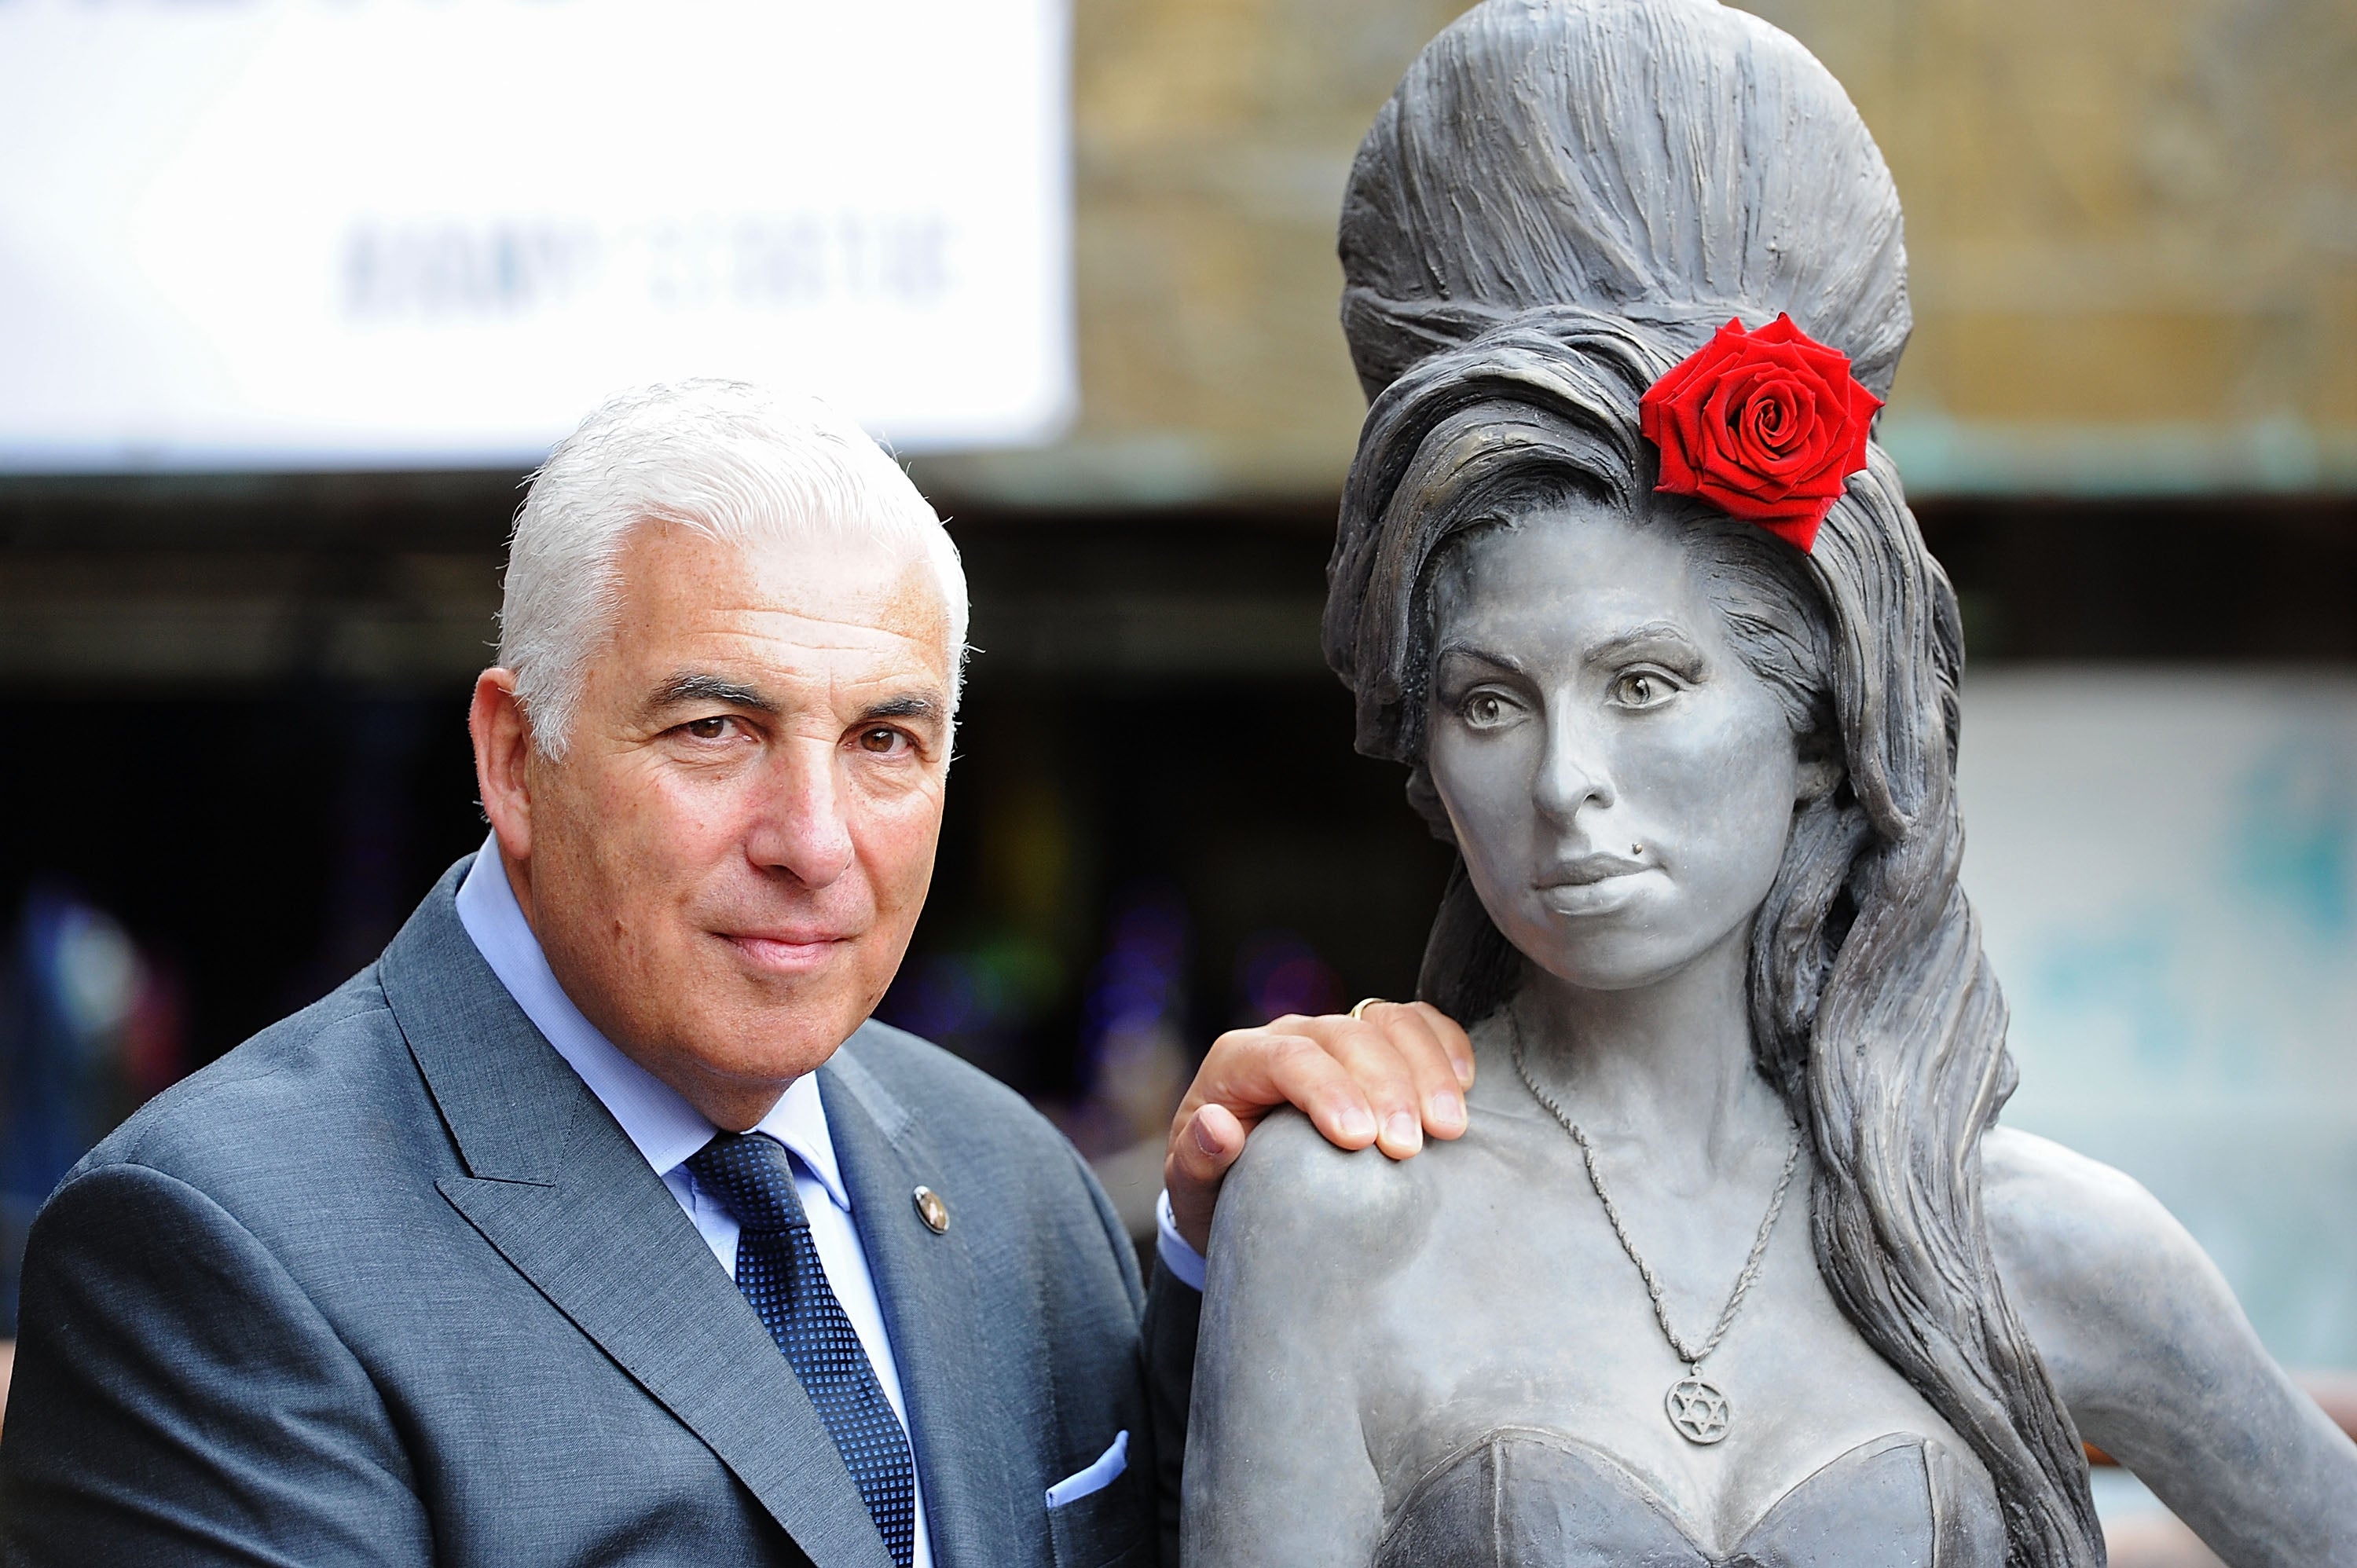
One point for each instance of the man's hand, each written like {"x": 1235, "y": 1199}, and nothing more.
{"x": 1390, "y": 1076}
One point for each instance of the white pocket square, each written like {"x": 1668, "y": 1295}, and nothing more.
{"x": 1095, "y": 1478}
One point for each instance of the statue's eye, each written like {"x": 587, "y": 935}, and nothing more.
{"x": 1485, "y": 710}
{"x": 1642, "y": 689}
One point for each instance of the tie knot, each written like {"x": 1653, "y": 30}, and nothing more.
{"x": 752, "y": 1174}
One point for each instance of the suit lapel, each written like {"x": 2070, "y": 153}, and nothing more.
{"x": 967, "y": 1425}
{"x": 555, "y": 1186}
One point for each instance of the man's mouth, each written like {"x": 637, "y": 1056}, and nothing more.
{"x": 785, "y": 952}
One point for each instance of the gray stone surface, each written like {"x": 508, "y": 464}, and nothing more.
{"x": 1703, "y": 790}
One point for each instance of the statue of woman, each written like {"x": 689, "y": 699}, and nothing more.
{"x": 1734, "y": 1265}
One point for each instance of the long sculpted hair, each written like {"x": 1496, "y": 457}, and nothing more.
{"x": 1564, "y": 199}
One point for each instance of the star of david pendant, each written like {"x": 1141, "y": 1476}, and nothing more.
{"x": 1697, "y": 1409}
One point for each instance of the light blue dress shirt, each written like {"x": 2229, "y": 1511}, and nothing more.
{"x": 1185, "y": 1264}
{"x": 667, "y": 1129}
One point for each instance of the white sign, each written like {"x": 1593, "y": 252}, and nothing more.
{"x": 2166, "y": 864}
{"x": 327, "y": 233}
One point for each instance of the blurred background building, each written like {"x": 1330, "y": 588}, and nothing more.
{"x": 1079, "y": 266}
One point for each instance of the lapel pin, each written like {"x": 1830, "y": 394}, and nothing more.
{"x": 931, "y": 1209}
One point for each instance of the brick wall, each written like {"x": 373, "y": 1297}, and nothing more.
{"x": 2133, "y": 222}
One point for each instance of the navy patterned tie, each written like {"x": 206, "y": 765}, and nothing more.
{"x": 778, "y": 1270}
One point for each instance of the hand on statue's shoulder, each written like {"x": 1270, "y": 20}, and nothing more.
{"x": 2110, "y": 1287}
{"x": 1293, "y": 1195}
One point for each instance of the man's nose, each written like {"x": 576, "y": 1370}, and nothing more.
{"x": 1572, "y": 771}
{"x": 802, "y": 826}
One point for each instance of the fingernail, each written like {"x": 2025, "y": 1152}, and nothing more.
{"x": 1358, "y": 1124}
{"x": 1449, "y": 1110}
{"x": 1403, "y": 1130}
{"x": 1204, "y": 1141}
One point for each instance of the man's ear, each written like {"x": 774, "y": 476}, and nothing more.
{"x": 503, "y": 743}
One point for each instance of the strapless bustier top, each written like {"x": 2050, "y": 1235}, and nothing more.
{"x": 1523, "y": 1497}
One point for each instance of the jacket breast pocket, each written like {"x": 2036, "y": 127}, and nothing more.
{"x": 1102, "y": 1516}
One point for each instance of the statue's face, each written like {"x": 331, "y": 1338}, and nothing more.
{"x": 1619, "y": 781}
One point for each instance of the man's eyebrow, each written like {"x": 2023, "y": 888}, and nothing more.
{"x": 695, "y": 686}
{"x": 911, "y": 705}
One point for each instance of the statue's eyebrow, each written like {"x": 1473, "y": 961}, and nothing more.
{"x": 1658, "y": 639}
{"x": 696, "y": 686}
{"x": 1654, "y": 637}
{"x": 1458, "y": 648}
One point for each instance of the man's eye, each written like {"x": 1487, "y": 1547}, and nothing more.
{"x": 708, "y": 729}
{"x": 1641, "y": 689}
{"x": 882, "y": 741}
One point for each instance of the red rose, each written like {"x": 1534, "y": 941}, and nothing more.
{"x": 1766, "y": 426}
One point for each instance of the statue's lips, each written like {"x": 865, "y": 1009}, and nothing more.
{"x": 1591, "y": 885}
{"x": 1587, "y": 870}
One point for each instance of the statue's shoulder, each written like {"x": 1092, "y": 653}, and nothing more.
{"x": 2064, "y": 1213}
{"x": 1291, "y": 1191}
{"x": 2100, "y": 1272}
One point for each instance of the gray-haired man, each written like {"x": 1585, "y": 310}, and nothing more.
{"x": 594, "y": 1223}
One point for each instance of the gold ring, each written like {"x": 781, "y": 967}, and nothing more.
{"x": 1359, "y": 1013}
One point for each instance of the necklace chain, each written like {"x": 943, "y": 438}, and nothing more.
{"x": 1692, "y": 1356}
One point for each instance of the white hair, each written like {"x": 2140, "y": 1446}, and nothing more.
{"x": 733, "y": 462}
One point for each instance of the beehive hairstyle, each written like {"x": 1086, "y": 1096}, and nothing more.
{"x": 1563, "y": 200}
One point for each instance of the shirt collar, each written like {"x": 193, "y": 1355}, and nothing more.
{"x": 663, "y": 1127}
{"x": 798, "y": 1121}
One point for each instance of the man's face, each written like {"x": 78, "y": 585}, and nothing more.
{"x": 726, "y": 865}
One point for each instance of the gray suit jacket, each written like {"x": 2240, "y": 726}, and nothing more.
{"x": 387, "y": 1285}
